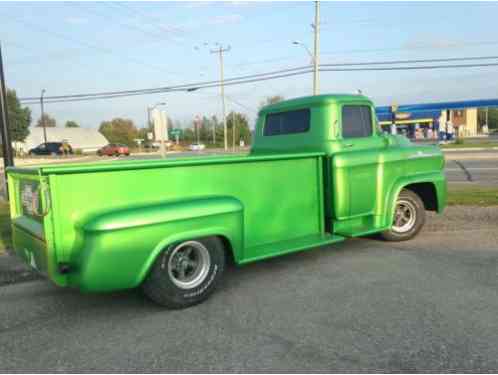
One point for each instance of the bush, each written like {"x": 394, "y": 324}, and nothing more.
{"x": 78, "y": 151}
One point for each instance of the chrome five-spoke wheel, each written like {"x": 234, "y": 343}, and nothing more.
{"x": 404, "y": 216}
{"x": 189, "y": 264}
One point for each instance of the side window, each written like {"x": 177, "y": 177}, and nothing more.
{"x": 356, "y": 121}
{"x": 289, "y": 122}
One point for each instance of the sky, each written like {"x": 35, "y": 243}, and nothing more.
{"x": 81, "y": 47}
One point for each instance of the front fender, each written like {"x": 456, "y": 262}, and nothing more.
{"x": 119, "y": 247}
{"x": 437, "y": 179}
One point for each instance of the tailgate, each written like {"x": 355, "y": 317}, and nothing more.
{"x": 29, "y": 208}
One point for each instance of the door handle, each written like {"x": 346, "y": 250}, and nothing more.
{"x": 348, "y": 145}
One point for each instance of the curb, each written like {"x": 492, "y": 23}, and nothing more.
{"x": 469, "y": 149}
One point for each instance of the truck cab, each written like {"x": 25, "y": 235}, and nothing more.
{"x": 365, "y": 169}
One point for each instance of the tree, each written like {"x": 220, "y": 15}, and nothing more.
{"x": 242, "y": 131}
{"x": 49, "y": 121}
{"x": 119, "y": 130}
{"x": 492, "y": 117}
{"x": 270, "y": 100}
{"x": 71, "y": 124}
{"x": 19, "y": 117}
{"x": 188, "y": 135}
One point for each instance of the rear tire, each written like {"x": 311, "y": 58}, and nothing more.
{"x": 409, "y": 217}
{"x": 186, "y": 273}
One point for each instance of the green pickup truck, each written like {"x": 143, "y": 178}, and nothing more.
{"x": 320, "y": 171}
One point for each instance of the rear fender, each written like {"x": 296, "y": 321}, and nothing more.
{"x": 120, "y": 246}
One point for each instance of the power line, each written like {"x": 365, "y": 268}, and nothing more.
{"x": 392, "y": 62}
{"x": 419, "y": 67}
{"x": 80, "y": 42}
{"x": 135, "y": 12}
{"x": 251, "y": 79}
{"x": 260, "y": 75}
{"x": 182, "y": 87}
{"x": 369, "y": 50}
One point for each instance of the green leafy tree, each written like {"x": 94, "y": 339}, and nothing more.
{"x": 206, "y": 130}
{"x": 188, "y": 135}
{"x": 49, "y": 121}
{"x": 119, "y": 130}
{"x": 71, "y": 124}
{"x": 242, "y": 131}
{"x": 492, "y": 117}
{"x": 270, "y": 100}
{"x": 19, "y": 118}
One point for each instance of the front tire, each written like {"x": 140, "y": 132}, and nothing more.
{"x": 409, "y": 217}
{"x": 186, "y": 273}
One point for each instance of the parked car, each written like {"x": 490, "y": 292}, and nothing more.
{"x": 196, "y": 147}
{"x": 50, "y": 148}
{"x": 319, "y": 172}
{"x": 114, "y": 149}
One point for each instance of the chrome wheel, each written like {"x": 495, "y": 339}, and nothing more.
{"x": 404, "y": 216}
{"x": 189, "y": 264}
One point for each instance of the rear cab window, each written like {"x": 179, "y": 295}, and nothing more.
{"x": 356, "y": 121}
{"x": 288, "y": 122}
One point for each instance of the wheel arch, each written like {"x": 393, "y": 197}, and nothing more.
{"x": 426, "y": 192}
{"x": 228, "y": 240}
{"x": 145, "y": 231}
{"x": 431, "y": 186}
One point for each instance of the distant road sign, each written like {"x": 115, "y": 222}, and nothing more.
{"x": 175, "y": 132}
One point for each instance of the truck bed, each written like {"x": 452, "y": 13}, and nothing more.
{"x": 92, "y": 221}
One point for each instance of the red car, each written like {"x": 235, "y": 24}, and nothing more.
{"x": 114, "y": 149}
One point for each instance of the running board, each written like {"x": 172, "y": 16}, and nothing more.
{"x": 289, "y": 246}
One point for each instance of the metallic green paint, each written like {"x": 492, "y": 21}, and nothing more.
{"x": 109, "y": 221}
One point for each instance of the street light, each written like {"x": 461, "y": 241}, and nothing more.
{"x": 43, "y": 116}
{"x": 316, "y": 54}
{"x": 298, "y": 43}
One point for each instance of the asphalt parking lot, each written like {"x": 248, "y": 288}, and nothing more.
{"x": 426, "y": 305}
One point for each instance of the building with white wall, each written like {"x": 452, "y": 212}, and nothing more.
{"x": 84, "y": 139}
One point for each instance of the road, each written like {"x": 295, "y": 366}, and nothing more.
{"x": 364, "y": 305}
{"x": 478, "y": 171}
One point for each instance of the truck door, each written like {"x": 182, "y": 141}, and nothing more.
{"x": 355, "y": 166}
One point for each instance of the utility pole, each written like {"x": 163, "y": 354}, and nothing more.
{"x": 197, "y": 124}
{"x": 316, "y": 62}
{"x": 233, "y": 131}
{"x": 8, "y": 159}
{"x": 220, "y": 51}
{"x": 214, "y": 132}
{"x": 43, "y": 116}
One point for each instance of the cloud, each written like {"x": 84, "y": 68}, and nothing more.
{"x": 76, "y": 20}
{"x": 229, "y": 19}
